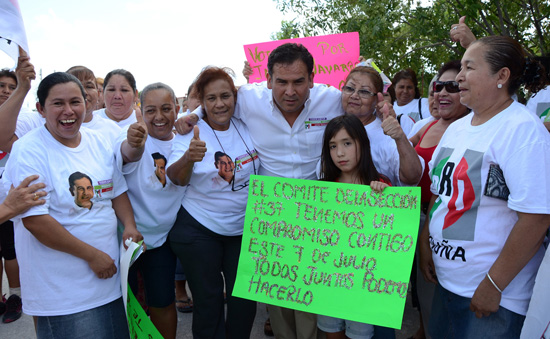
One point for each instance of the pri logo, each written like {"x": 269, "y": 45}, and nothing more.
{"x": 459, "y": 185}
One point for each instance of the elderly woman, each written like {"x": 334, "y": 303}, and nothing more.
{"x": 208, "y": 231}
{"x": 120, "y": 95}
{"x": 69, "y": 244}
{"x": 490, "y": 206}
{"x": 391, "y": 151}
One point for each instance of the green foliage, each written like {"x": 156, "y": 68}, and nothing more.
{"x": 404, "y": 33}
{"x": 289, "y": 30}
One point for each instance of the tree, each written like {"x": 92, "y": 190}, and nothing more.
{"x": 289, "y": 30}
{"x": 403, "y": 33}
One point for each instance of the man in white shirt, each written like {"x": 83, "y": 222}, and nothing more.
{"x": 286, "y": 121}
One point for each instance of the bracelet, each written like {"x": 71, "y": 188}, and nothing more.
{"x": 492, "y": 282}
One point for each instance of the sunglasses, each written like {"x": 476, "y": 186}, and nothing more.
{"x": 450, "y": 86}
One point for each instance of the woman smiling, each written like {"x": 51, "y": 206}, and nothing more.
{"x": 69, "y": 244}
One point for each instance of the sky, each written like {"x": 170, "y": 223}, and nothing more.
{"x": 156, "y": 40}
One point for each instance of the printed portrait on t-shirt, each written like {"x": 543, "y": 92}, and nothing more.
{"x": 160, "y": 167}
{"x": 224, "y": 165}
{"x": 82, "y": 189}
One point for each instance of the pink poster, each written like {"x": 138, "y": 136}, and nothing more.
{"x": 334, "y": 55}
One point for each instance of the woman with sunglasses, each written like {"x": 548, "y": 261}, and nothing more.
{"x": 215, "y": 162}
{"x": 490, "y": 206}
{"x": 446, "y": 101}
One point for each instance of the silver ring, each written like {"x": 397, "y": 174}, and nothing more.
{"x": 456, "y": 27}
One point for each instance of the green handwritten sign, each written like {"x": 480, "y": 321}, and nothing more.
{"x": 329, "y": 248}
{"x": 138, "y": 322}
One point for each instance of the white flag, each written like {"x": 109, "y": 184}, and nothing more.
{"x": 12, "y": 29}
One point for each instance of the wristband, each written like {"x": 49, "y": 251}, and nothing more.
{"x": 492, "y": 282}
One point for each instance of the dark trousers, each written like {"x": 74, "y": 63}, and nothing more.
{"x": 204, "y": 256}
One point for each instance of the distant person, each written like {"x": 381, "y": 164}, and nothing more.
{"x": 408, "y": 101}
{"x": 101, "y": 99}
{"x": 120, "y": 95}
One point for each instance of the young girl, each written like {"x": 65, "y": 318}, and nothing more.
{"x": 346, "y": 158}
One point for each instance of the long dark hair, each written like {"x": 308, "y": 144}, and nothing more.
{"x": 365, "y": 167}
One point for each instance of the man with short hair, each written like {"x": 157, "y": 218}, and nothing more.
{"x": 82, "y": 189}
{"x": 225, "y": 166}
{"x": 286, "y": 121}
{"x": 160, "y": 167}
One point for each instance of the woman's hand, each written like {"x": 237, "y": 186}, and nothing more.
{"x": 23, "y": 197}
{"x": 137, "y": 132}
{"x": 247, "y": 71}
{"x": 378, "y": 186}
{"x": 390, "y": 125}
{"x": 102, "y": 265}
{"x": 486, "y": 299}
{"x": 25, "y": 71}
{"x": 186, "y": 123}
{"x": 131, "y": 232}
{"x": 197, "y": 147}
{"x": 462, "y": 33}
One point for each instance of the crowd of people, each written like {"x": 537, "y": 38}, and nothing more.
{"x": 100, "y": 164}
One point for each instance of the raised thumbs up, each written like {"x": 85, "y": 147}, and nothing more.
{"x": 384, "y": 108}
{"x": 137, "y": 132}
{"x": 461, "y": 32}
{"x": 390, "y": 125}
{"x": 197, "y": 147}
{"x": 196, "y": 133}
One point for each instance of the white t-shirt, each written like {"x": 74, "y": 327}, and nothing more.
{"x": 155, "y": 205}
{"x": 411, "y": 109}
{"x": 418, "y": 126}
{"x": 290, "y": 152}
{"x": 383, "y": 151}
{"x": 122, "y": 123}
{"x": 539, "y": 103}
{"x": 209, "y": 198}
{"x": 106, "y": 127}
{"x": 469, "y": 226}
{"x": 27, "y": 121}
{"x": 54, "y": 282}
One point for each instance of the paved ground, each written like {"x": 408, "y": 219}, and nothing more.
{"x": 24, "y": 328}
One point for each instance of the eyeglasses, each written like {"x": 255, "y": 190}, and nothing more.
{"x": 363, "y": 93}
{"x": 450, "y": 86}
{"x": 240, "y": 187}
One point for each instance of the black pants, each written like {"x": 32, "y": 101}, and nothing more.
{"x": 204, "y": 256}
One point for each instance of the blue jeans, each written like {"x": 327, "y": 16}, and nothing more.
{"x": 105, "y": 322}
{"x": 451, "y": 318}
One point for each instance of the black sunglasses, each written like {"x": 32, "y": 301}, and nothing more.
{"x": 450, "y": 86}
